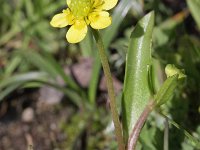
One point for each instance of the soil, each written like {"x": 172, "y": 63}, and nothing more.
{"x": 43, "y": 132}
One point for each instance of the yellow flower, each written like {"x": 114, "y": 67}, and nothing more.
{"x": 80, "y": 14}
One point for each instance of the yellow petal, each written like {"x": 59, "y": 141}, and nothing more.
{"x": 109, "y": 4}
{"x": 63, "y": 19}
{"x": 77, "y": 32}
{"x": 97, "y": 3}
{"x": 59, "y": 20}
{"x": 99, "y": 20}
{"x": 68, "y": 2}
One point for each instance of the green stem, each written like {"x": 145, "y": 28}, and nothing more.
{"x": 166, "y": 135}
{"x": 111, "y": 92}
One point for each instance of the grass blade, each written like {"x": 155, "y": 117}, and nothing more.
{"x": 22, "y": 78}
{"x": 195, "y": 142}
{"x": 118, "y": 16}
{"x": 8, "y": 90}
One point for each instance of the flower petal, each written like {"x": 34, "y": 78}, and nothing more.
{"x": 99, "y": 20}
{"x": 109, "y": 4}
{"x": 77, "y": 32}
{"x": 68, "y": 2}
{"x": 97, "y": 3}
{"x": 59, "y": 20}
{"x": 63, "y": 19}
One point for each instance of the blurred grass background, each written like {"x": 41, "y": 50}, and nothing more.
{"x": 34, "y": 55}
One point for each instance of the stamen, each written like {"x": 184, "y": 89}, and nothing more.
{"x": 80, "y": 8}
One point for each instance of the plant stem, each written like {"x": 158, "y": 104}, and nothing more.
{"x": 139, "y": 124}
{"x": 111, "y": 92}
{"x": 166, "y": 135}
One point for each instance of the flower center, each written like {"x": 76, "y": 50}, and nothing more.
{"x": 80, "y": 8}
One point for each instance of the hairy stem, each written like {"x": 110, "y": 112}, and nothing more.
{"x": 139, "y": 124}
{"x": 111, "y": 92}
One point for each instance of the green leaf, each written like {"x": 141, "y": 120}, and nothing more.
{"x": 60, "y": 71}
{"x": 38, "y": 61}
{"x": 87, "y": 45}
{"x": 118, "y": 16}
{"x": 9, "y": 84}
{"x": 8, "y": 90}
{"x": 23, "y": 78}
{"x": 94, "y": 80}
{"x": 194, "y": 6}
{"x": 48, "y": 64}
{"x": 165, "y": 30}
{"x": 166, "y": 91}
{"x": 136, "y": 92}
{"x": 12, "y": 66}
{"x": 150, "y": 80}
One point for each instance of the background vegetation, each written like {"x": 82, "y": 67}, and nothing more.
{"x": 61, "y": 86}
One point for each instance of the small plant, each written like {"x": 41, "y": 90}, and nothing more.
{"x": 145, "y": 50}
{"x": 139, "y": 95}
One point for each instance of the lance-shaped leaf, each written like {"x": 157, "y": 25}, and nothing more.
{"x": 166, "y": 92}
{"x": 136, "y": 90}
{"x": 194, "y": 6}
